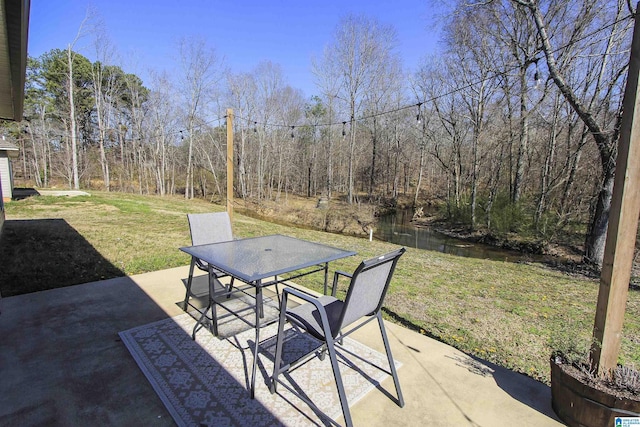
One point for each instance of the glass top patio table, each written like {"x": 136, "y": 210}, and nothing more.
{"x": 257, "y": 258}
{"x": 254, "y": 259}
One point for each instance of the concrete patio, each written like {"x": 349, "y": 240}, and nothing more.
{"x": 62, "y": 363}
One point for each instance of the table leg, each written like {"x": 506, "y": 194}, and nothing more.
{"x": 326, "y": 276}
{"x": 259, "y": 314}
{"x": 212, "y": 303}
{"x": 185, "y": 304}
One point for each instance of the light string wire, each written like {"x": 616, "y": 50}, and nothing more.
{"x": 181, "y": 132}
{"x": 435, "y": 98}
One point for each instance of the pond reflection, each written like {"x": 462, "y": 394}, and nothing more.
{"x": 397, "y": 228}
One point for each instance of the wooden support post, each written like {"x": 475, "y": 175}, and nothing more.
{"x": 230, "y": 163}
{"x": 623, "y": 226}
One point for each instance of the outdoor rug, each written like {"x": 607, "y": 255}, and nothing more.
{"x": 206, "y": 382}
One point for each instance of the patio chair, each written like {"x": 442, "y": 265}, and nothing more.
{"x": 325, "y": 317}
{"x": 208, "y": 228}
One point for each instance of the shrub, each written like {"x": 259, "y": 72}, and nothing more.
{"x": 508, "y": 217}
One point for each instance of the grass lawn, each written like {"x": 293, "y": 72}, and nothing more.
{"x": 513, "y": 315}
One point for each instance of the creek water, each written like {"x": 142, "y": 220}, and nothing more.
{"x": 397, "y": 228}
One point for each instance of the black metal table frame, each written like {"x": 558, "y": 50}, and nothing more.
{"x": 258, "y": 284}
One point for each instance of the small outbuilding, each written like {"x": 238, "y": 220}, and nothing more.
{"x": 8, "y": 151}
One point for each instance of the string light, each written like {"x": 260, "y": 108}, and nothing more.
{"x": 292, "y": 128}
{"x": 255, "y": 127}
{"x": 537, "y": 78}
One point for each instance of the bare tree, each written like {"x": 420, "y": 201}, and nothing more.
{"x": 360, "y": 47}
{"x": 270, "y": 84}
{"x": 384, "y": 94}
{"x": 594, "y": 103}
{"x": 162, "y": 123}
{"x": 72, "y": 107}
{"x": 201, "y": 73}
{"x": 104, "y": 86}
{"x": 243, "y": 95}
{"x": 327, "y": 79}
{"x": 471, "y": 63}
{"x": 435, "y": 81}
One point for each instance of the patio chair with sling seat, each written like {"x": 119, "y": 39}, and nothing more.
{"x": 325, "y": 317}
{"x": 205, "y": 228}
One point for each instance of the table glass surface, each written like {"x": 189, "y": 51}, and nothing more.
{"x": 257, "y": 258}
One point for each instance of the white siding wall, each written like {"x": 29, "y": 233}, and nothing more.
{"x": 1, "y": 212}
{"x": 5, "y": 176}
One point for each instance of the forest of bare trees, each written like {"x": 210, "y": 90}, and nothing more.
{"x": 513, "y": 125}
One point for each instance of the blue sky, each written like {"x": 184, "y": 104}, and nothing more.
{"x": 286, "y": 32}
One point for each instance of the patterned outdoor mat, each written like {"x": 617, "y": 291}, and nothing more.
{"x": 205, "y": 382}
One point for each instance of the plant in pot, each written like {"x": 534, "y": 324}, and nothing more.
{"x": 583, "y": 397}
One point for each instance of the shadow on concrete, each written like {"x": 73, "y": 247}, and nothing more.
{"x": 43, "y": 254}
{"x": 62, "y": 362}
{"x": 532, "y": 393}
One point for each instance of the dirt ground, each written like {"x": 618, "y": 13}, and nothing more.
{"x": 319, "y": 213}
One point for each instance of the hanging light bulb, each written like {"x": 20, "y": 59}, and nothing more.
{"x": 255, "y": 127}
{"x": 536, "y": 76}
{"x": 181, "y": 136}
{"x": 418, "y": 116}
{"x": 344, "y": 131}
{"x": 292, "y": 135}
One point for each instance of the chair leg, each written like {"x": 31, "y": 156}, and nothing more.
{"x": 278, "y": 358}
{"x": 336, "y": 374}
{"x": 278, "y": 294}
{"x": 392, "y": 364}
{"x": 199, "y": 322}
{"x": 323, "y": 352}
{"x": 185, "y": 304}
{"x": 214, "y": 312}
{"x": 230, "y": 287}
{"x": 212, "y": 303}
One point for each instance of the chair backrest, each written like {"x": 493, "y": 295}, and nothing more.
{"x": 368, "y": 287}
{"x": 210, "y": 228}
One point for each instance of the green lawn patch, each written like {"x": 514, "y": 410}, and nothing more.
{"x": 510, "y": 314}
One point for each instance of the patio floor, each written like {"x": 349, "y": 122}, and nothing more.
{"x": 62, "y": 363}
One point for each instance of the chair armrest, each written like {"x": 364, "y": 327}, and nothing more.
{"x": 342, "y": 273}
{"x": 302, "y": 295}
{"x": 334, "y": 287}
{"x": 324, "y": 319}
{"x": 201, "y": 264}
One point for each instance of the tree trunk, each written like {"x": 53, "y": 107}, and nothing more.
{"x": 72, "y": 123}
{"x": 374, "y": 143}
{"x": 546, "y": 169}
{"x": 352, "y": 149}
{"x": 330, "y": 153}
{"x": 420, "y": 169}
{"x": 596, "y": 237}
{"x": 188, "y": 186}
{"x": 524, "y": 136}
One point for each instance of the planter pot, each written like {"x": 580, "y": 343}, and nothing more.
{"x": 580, "y": 405}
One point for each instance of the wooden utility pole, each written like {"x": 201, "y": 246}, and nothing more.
{"x": 623, "y": 226}
{"x": 230, "y": 163}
